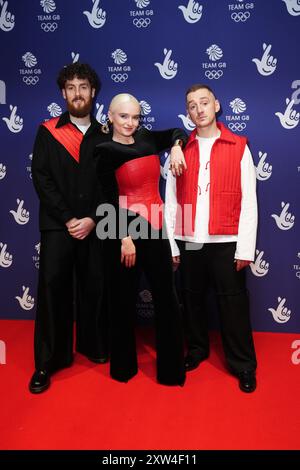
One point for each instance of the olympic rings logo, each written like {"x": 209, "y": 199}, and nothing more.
{"x": 213, "y": 74}
{"x": 49, "y": 27}
{"x": 240, "y": 16}
{"x": 145, "y": 313}
{"x": 31, "y": 80}
{"x": 237, "y": 126}
{"x": 119, "y": 77}
{"x": 141, "y": 22}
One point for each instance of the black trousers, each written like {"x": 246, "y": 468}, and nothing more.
{"x": 154, "y": 258}
{"x": 64, "y": 260}
{"x": 214, "y": 265}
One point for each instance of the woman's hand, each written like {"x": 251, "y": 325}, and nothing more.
{"x": 177, "y": 161}
{"x": 128, "y": 252}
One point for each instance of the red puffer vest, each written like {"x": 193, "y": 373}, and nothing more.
{"x": 225, "y": 185}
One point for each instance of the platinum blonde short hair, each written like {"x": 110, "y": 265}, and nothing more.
{"x": 122, "y": 98}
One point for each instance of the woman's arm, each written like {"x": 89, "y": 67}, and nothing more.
{"x": 166, "y": 139}
{"x": 119, "y": 218}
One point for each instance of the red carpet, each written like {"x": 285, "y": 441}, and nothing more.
{"x": 85, "y": 409}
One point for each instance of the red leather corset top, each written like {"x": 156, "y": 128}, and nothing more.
{"x": 138, "y": 183}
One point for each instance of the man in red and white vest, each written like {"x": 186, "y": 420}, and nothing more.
{"x": 65, "y": 180}
{"x": 211, "y": 211}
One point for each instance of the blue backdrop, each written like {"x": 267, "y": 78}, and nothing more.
{"x": 155, "y": 49}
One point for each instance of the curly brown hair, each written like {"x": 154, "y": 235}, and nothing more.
{"x": 81, "y": 71}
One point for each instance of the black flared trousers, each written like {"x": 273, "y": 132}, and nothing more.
{"x": 70, "y": 277}
{"x": 153, "y": 257}
{"x": 212, "y": 264}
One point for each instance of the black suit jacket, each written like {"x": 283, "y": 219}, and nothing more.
{"x": 65, "y": 188}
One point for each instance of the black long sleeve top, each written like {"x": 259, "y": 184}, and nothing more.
{"x": 111, "y": 155}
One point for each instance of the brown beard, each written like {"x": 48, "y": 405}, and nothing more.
{"x": 80, "y": 112}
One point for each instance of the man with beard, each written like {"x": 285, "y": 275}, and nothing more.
{"x": 70, "y": 254}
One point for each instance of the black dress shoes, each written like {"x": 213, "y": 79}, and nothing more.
{"x": 192, "y": 362}
{"x": 247, "y": 381}
{"x": 39, "y": 382}
{"x": 98, "y": 360}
